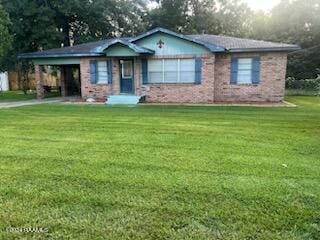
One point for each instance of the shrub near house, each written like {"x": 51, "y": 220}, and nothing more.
{"x": 303, "y": 86}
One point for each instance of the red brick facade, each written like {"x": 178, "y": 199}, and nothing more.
{"x": 215, "y": 83}
{"x": 96, "y": 91}
{"x": 182, "y": 93}
{"x": 39, "y": 81}
{"x": 272, "y": 79}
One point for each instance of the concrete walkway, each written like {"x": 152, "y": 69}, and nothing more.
{"x": 29, "y": 102}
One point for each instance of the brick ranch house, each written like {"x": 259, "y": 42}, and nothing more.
{"x": 166, "y": 67}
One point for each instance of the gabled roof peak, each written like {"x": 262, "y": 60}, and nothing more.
{"x": 212, "y": 47}
{"x": 134, "y": 47}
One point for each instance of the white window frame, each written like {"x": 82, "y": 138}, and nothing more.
{"x": 122, "y": 69}
{"x": 178, "y": 71}
{"x": 249, "y": 69}
{"x": 99, "y": 72}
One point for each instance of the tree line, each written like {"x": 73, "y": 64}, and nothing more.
{"x": 32, "y": 25}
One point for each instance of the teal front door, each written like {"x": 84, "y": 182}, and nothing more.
{"x": 126, "y": 76}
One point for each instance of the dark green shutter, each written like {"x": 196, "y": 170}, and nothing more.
{"x": 109, "y": 69}
{"x": 198, "y": 66}
{"x": 144, "y": 66}
{"x": 234, "y": 71}
{"x": 93, "y": 71}
{"x": 256, "y": 70}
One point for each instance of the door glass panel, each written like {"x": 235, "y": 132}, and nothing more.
{"x": 127, "y": 69}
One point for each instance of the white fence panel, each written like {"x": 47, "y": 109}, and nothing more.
{"x": 4, "y": 83}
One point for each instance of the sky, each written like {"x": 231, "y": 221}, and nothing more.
{"x": 265, "y": 5}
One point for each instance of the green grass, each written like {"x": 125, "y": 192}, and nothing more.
{"x": 161, "y": 172}
{"x": 10, "y": 96}
{"x": 301, "y": 92}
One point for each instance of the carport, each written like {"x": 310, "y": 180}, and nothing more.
{"x": 69, "y": 82}
{"x": 66, "y": 62}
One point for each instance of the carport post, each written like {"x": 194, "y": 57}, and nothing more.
{"x": 39, "y": 81}
{"x": 63, "y": 81}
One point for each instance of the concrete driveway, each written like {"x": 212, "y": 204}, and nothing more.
{"x": 29, "y": 102}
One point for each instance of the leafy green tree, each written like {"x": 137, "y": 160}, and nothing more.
{"x": 32, "y": 29}
{"x": 82, "y": 20}
{"x": 296, "y": 22}
{"x": 233, "y": 17}
{"x": 197, "y": 16}
{"x": 204, "y": 18}
{"x": 5, "y": 36}
{"x": 170, "y": 14}
{"x": 44, "y": 24}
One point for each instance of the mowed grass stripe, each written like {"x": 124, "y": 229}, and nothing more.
{"x": 161, "y": 172}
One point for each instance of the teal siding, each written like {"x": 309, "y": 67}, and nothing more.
{"x": 56, "y": 61}
{"x": 172, "y": 45}
{"x": 120, "y": 50}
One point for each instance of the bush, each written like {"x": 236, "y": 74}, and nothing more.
{"x": 303, "y": 84}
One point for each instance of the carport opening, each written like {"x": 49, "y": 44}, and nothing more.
{"x": 71, "y": 76}
{"x": 61, "y": 81}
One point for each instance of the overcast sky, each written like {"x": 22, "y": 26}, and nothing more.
{"x": 261, "y": 4}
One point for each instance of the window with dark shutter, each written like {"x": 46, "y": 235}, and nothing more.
{"x": 245, "y": 70}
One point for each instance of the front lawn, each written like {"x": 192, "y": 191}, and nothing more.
{"x": 161, "y": 172}
{"x": 10, "y": 96}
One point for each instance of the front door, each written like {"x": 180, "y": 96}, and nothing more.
{"x": 126, "y": 76}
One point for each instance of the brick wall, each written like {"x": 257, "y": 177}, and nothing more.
{"x": 182, "y": 93}
{"x": 98, "y": 91}
{"x": 39, "y": 81}
{"x": 215, "y": 85}
{"x": 272, "y": 79}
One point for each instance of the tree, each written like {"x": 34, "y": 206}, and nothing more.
{"x": 196, "y": 16}
{"x": 81, "y": 20}
{"x": 203, "y": 18}
{"x": 32, "y": 29}
{"x": 295, "y": 22}
{"x": 44, "y": 24}
{"x": 170, "y": 14}
{"x": 5, "y": 36}
{"x": 233, "y": 17}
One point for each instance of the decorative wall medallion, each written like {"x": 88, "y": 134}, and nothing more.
{"x": 160, "y": 43}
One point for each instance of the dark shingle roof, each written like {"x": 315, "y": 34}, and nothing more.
{"x": 214, "y": 43}
{"x": 86, "y": 49}
{"x": 234, "y": 44}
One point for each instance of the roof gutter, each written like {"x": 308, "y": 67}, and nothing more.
{"x": 277, "y": 49}
{"x": 37, "y": 56}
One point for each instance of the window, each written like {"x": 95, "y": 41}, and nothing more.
{"x": 126, "y": 69}
{"x": 244, "y": 71}
{"x": 187, "y": 70}
{"x": 102, "y": 72}
{"x": 171, "y": 71}
{"x": 155, "y": 69}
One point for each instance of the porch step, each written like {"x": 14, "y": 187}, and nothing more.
{"x": 123, "y": 99}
